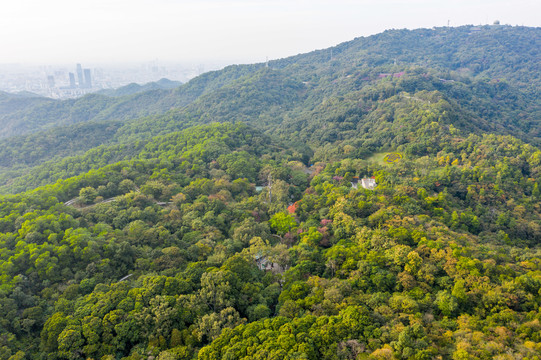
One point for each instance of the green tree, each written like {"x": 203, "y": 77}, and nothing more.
{"x": 88, "y": 195}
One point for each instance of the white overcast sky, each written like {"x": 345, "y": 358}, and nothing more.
{"x": 109, "y": 31}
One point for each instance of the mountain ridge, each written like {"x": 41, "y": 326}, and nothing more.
{"x": 134, "y": 88}
{"x": 288, "y": 98}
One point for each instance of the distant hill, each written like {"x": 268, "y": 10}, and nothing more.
{"x": 11, "y": 103}
{"x": 133, "y": 88}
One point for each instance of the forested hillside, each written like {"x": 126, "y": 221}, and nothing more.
{"x": 232, "y": 223}
{"x": 133, "y": 88}
{"x": 495, "y": 92}
{"x": 370, "y": 115}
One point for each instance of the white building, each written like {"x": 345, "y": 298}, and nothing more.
{"x": 368, "y": 183}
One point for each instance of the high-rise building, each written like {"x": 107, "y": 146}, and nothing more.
{"x": 72, "y": 80}
{"x": 88, "y": 79}
{"x": 50, "y": 81}
{"x": 80, "y": 76}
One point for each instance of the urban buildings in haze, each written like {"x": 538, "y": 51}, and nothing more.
{"x": 80, "y": 75}
{"x": 72, "y": 80}
{"x": 88, "y": 79}
{"x": 84, "y": 78}
{"x": 50, "y": 81}
{"x": 75, "y": 80}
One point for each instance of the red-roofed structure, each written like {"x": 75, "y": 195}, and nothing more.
{"x": 292, "y": 208}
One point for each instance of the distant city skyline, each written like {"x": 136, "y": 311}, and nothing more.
{"x": 63, "y": 81}
{"x": 116, "y": 31}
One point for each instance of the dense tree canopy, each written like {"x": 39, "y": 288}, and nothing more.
{"x": 236, "y": 227}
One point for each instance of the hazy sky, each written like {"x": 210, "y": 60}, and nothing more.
{"x": 107, "y": 31}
